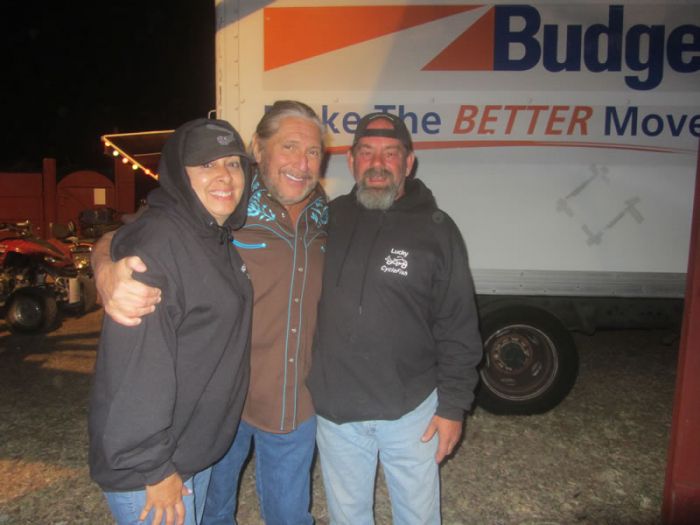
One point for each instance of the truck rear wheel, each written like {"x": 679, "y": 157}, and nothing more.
{"x": 530, "y": 361}
{"x": 31, "y": 311}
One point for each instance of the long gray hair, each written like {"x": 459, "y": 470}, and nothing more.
{"x": 270, "y": 122}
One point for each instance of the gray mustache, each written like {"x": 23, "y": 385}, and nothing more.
{"x": 377, "y": 172}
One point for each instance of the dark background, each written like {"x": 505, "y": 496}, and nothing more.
{"x": 72, "y": 71}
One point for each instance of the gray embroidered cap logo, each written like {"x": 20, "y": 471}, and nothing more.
{"x": 211, "y": 141}
{"x": 225, "y": 140}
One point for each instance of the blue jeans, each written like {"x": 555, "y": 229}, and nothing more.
{"x": 127, "y": 506}
{"x": 282, "y": 476}
{"x": 349, "y": 454}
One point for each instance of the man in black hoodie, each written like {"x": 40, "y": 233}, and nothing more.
{"x": 397, "y": 342}
{"x": 168, "y": 393}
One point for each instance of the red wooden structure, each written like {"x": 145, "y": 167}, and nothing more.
{"x": 82, "y": 190}
{"x": 30, "y": 196}
{"x": 681, "y": 504}
{"x": 37, "y": 197}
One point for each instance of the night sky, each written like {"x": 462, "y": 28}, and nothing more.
{"x": 75, "y": 70}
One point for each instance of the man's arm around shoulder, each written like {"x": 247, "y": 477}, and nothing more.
{"x": 125, "y": 299}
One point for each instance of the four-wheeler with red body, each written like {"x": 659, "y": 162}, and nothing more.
{"x": 38, "y": 277}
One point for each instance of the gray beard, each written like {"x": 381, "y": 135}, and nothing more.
{"x": 375, "y": 198}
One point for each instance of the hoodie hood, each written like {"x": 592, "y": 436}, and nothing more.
{"x": 417, "y": 196}
{"x": 176, "y": 194}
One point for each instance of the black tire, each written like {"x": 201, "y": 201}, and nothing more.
{"x": 31, "y": 311}
{"x": 530, "y": 361}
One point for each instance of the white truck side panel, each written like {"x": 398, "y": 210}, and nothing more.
{"x": 562, "y": 183}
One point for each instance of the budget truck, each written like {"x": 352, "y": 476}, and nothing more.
{"x": 560, "y": 136}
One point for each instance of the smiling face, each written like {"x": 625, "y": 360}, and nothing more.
{"x": 380, "y": 166}
{"x": 218, "y": 185}
{"x": 290, "y": 160}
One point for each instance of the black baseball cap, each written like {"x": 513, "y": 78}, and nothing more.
{"x": 212, "y": 140}
{"x": 399, "y": 131}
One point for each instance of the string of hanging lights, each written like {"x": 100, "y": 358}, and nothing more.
{"x": 126, "y": 158}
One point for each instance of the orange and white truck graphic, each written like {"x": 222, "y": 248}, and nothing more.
{"x": 562, "y": 138}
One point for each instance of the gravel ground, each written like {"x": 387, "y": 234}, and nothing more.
{"x": 598, "y": 458}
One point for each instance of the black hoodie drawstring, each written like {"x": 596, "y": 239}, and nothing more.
{"x": 364, "y": 273}
{"x": 223, "y": 232}
{"x": 347, "y": 251}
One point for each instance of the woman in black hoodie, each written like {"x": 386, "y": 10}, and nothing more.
{"x": 168, "y": 393}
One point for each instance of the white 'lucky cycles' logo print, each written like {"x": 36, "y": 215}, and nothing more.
{"x": 396, "y": 262}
